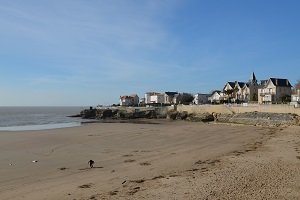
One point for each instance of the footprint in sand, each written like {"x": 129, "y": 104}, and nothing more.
{"x": 134, "y": 190}
{"x": 89, "y": 185}
{"x": 145, "y": 163}
{"x": 127, "y": 155}
{"x": 63, "y": 168}
{"x": 138, "y": 181}
{"x": 192, "y": 170}
{"x": 129, "y": 161}
{"x": 157, "y": 177}
{"x": 112, "y": 193}
{"x": 174, "y": 175}
{"x": 207, "y": 162}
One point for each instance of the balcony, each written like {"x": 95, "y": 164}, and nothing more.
{"x": 266, "y": 93}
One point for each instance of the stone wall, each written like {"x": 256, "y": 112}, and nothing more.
{"x": 225, "y": 109}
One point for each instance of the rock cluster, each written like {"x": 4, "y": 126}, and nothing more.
{"x": 108, "y": 113}
{"x": 194, "y": 117}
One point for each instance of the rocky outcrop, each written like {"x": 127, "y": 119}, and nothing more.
{"x": 104, "y": 113}
{"x": 88, "y": 113}
{"x": 250, "y": 118}
{"x": 122, "y": 113}
{"x": 199, "y": 117}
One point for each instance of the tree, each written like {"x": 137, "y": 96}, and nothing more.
{"x": 286, "y": 98}
{"x": 229, "y": 93}
{"x": 185, "y": 98}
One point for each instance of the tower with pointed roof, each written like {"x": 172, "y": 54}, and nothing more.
{"x": 253, "y": 88}
{"x": 252, "y": 79}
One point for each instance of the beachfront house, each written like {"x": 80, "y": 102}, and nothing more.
{"x": 129, "y": 100}
{"x": 229, "y": 91}
{"x": 241, "y": 91}
{"x": 154, "y": 98}
{"x": 274, "y": 90}
{"x": 161, "y": 98}
{"x": 170, "y": 97}
{"x": 295, "y": 97}
{"x": 237, "y": 91}
{"x": 216, "y": 97}
{"x": 200, "y": 98}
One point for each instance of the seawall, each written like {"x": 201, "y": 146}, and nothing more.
{"x": 230, "y": 109}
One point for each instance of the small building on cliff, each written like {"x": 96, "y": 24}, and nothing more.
{"x": 130, "y": 100}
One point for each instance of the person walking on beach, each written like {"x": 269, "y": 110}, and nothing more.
{"x": 91, "y": 162}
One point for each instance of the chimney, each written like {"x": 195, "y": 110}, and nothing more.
{"x": 276, "y": 81}
{"x": 287, "y": 82}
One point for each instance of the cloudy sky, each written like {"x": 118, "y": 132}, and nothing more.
{"x": 89, "y": 52}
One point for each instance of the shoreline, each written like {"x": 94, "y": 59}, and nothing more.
{"x": 39, "y": 127}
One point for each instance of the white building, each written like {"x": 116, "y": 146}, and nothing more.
{"x": 131, "y": 100}
{"x": 200, "y": 99}
{"x": 216, "y": 97}
{"x": 296, "y": 96}
{"x": 160, "y": 98}
{"x": 154, "y": 97}
{"x": 170, "y": 97}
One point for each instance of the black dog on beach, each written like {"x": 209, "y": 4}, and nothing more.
{"x": 91, "y": 163}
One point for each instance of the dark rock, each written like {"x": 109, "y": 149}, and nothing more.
{"x": 88, "y": 114}
{"x": 200, "y": 117}
{"x": 104, "y": 113}
{"x": 172, "y": 114}
{"x": 182, "y": 115}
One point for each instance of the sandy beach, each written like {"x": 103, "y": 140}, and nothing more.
{"x": 167, "y": 160}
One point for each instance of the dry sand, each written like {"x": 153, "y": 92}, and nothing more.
{"x": 170, "y": 160}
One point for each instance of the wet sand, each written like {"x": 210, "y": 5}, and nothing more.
{"x": 168, "y": 160}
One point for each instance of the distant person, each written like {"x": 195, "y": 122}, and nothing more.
{"x": 91, "y": 163}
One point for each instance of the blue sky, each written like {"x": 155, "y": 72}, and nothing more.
{"x": 89, "y": 52}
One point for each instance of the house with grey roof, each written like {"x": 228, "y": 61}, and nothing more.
{"x": 216, "y": 97}
{"x": 275, "y": 90}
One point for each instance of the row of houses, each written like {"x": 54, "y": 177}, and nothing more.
{"x": 165, "y": 98}
{"x": 272, "y": 90}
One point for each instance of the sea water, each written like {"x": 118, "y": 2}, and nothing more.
{"x": 38, "y": 118}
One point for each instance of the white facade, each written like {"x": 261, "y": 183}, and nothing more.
{"x": 200, "y": 99}
{"x": 132, "y": 100}
{"x": 296, "y": 97}
{"x": 154, "y": 97}
{"x": 157, "y": 98}
{"x": 216, "y": 97}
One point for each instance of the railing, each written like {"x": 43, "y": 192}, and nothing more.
{"x": 266, "y": 93}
